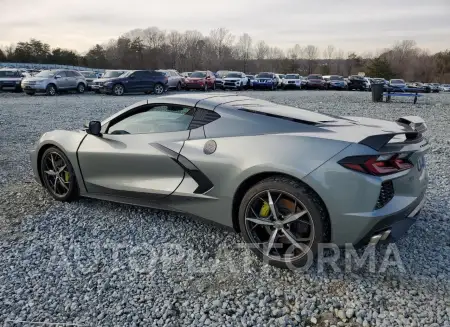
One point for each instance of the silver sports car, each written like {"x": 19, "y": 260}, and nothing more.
{"x": 287, "y": 179}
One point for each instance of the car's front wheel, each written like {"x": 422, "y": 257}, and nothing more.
{"x": 283, "y": 221}
{"x": 50, "y": 90}
{"x": 81, "y": 88}
{"x": 58, "y": 175}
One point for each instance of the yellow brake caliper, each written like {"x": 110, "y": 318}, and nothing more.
{"x": 265, "y": 210}
{"x": 66, "y": 176}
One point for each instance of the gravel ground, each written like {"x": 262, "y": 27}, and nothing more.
{"x": 94, "y": 263}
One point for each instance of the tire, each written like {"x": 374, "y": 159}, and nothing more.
{"x": 304, "y": 198}
{"x": 158, "y": 89}
{"x": 30, "y": 92}
{"x": 66, "y": 182}
{"x": 179, "y": 86}
{"x": 81, "y": 88}
{"x": 51, "y": 90}
{"x": 118, "y": 89}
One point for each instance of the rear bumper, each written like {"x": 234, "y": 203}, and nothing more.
{"x": 397, "y": 225}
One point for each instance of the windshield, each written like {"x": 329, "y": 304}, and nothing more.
{"x": 315, "y": 77}
{"x": 221, "y": 73}
{"x": 397, "y": 81}
{"x": 89, "y": 74}
{"x": 113, "y": 73}
{"x": 251, "y": 77}
{"x": 8, "y": 73}
{"x": 233, "y": 75}
{"x": 264, "y": 75}
{"x": 198, "y": 74}
{"x": 336, "y": 78}
{"x": 292, "y": 76}
{"x": 46, "y": 74}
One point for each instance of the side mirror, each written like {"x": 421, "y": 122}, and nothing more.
{"x": 94, "y": 128}
{"x": 57, "y": 76}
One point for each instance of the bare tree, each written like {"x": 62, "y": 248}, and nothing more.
{"x": 311, "y": 55}
{"x": 221, "y": 38}
{"x": 244, "y": 49}
{"x": 153, "y": 37}
{"x": 175, "y": 42}
{"x": 261, "y": 50}
{"x": 296, "y": 52}
{"x": 275, "y": 53}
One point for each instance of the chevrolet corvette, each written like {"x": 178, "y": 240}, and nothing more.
{"x": 287, "y": 179}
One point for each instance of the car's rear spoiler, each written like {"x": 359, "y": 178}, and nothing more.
{"x": 416, "y": 124}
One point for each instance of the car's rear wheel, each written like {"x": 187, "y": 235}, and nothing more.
{"x": 158, "y": 88}
{"x": 80, "y": 88}
{"x": 179, "y": 86}
{"x": 58, "y": 175}
{"x": 118, "y": 89}
{"x": 50, "y": 90}
{"x": 283, "y": 221}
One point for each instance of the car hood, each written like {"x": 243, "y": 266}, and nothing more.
{"x": 291, "y": 79}
{"x": 34, "y": 79}
{"x": 315, "y": 80}
{"x": 231, "y": 79}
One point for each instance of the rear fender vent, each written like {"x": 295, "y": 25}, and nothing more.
{"x": 386, "y": 194}
{"x": 203, "y": 117}
{"x": 306, "y": 122}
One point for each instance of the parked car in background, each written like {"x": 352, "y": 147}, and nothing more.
{"x": 315, "y": 81}
{"x": 335, "y": 82}
{"x": 265, "y": 81}
{"x": 147, "y": 81}
{"x": 368, "y": 83}
{"x": 51, "y": 82}
{"x": 176, "y": 81}
{"x": 90, "y": 76}
{"x": 445, "y": 87}
{"x": 279, "y": 79}
{"x": 220, "y": 75}
{"x": 98, "y": 83}
{"x": 356, "y": 82}
{"x": 201, "y": 80}
{"x": 236, "y": 80}
{"x": 435, "y": 87}
{"x": 11, "y": 79}
{"x": 420, "y": 87}
{"x": 291, "y": 81}
{"x": 251, "y": 78}
{"x": 186, "y": 74}
{"x": 397, "y": 84}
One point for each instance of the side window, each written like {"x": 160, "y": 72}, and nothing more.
{"x": 62, "y": 74}
{"x": 157, "y": 119}
{"x": 137, "y": 75}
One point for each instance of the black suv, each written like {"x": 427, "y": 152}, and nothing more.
{"x": 146, "y": 81}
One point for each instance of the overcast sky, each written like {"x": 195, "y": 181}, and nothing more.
{"x": 352, "y": 25}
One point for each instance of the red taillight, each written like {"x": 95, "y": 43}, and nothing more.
{"x": 379, "y": 165}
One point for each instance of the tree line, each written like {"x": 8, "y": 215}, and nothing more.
{"x": 153, "y": 48}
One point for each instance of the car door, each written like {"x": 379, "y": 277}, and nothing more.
{"x": 61, "y": 82}
{"x": 136, "y": 155}
{"x": 134, "y": 82}
{"x": 71, "y": 79}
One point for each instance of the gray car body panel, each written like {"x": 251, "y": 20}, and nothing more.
{"x": 167, "y": 170}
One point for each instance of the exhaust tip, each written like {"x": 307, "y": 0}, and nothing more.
{"x": 375, "y": 239}
{"x": 385, "y": 235}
